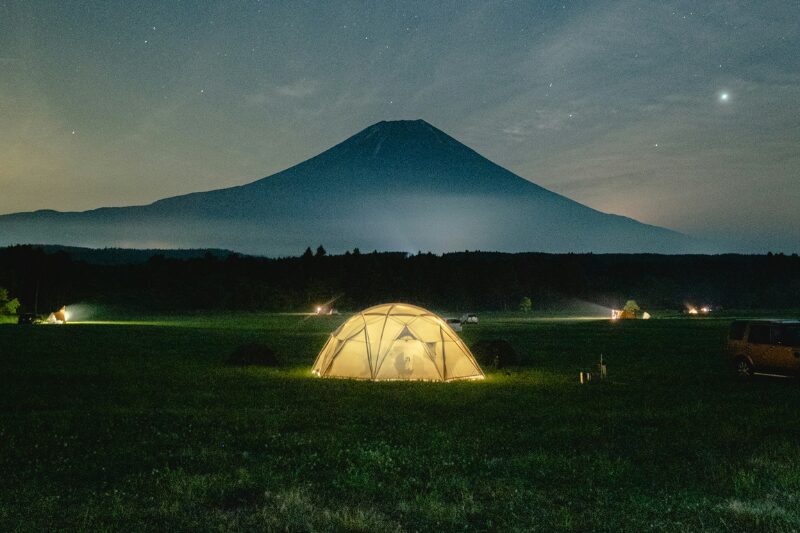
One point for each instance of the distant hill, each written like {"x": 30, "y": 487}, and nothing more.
{"x": 128, "y": 256}
{"x": 400, "y": 185}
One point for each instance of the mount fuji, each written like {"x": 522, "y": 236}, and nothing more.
{"x": 396, "y": 185}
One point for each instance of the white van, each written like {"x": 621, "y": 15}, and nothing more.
{"x": 469, "y": 318}
{"x": 454, "y": 323}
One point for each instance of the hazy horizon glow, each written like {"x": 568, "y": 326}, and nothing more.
{"x": 675, "y": 114}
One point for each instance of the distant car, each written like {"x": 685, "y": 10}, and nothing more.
{"x": 469, "y": 318}
{"x": 765, "y": 347}
{"x": 26, "y": 318}
{"x": 454, "y": 323}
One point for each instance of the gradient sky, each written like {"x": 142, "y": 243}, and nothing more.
{"x": 681, "y": 114}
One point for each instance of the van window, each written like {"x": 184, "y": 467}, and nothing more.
{"x": 759, "y": 334}
{"x": 737, "y": 330}
{"x": 786, "y": 335}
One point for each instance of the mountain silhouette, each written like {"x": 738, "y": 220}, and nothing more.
{"x": 397, "y": 185}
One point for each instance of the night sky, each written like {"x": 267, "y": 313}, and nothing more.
{"x": 680, "y": 114}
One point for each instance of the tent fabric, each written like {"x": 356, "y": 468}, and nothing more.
{"x": 396, "y": 342}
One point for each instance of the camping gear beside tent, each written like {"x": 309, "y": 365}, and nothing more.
{"x": 396, "y": 342}
{"x": 26, "y": 318}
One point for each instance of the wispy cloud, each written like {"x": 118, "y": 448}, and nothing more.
{"x": 281, "y": 94}
{"x": 299, "y": 89}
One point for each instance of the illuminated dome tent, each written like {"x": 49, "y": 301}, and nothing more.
{"x": 58, "y": 317}
{"x": 396, "y": 342}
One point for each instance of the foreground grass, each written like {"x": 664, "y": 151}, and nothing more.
{"x": 142, "y": 426}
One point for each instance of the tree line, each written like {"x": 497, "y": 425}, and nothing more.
{"x": 43, "y": 281}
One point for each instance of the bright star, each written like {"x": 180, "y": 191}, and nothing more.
{"x": 724, "y": 97}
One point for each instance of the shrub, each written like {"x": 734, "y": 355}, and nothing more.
{"x": 495, "y": 352}
{"x": 253, "y": 354}
{"x": 8, "y": 305}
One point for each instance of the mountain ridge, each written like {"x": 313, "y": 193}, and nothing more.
{"x": 394, "y": 185}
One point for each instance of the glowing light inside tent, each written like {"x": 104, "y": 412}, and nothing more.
{"x": 692, "y": 311}
{"x": 393, "y": 342}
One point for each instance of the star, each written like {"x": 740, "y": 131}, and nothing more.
{"x": 724, "y": 97}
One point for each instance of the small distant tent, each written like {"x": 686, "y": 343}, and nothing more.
{"x": 58, "y": 317}
{"x": 396, "y": 342}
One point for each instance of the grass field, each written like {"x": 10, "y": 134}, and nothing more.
{"x": 140, "y": 425}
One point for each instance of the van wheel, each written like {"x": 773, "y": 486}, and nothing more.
{"x": 744, "y": 370}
